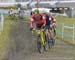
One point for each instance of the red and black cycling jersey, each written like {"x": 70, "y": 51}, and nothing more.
{"x": 49, "y": 19}
{"x": 37, "y": 19}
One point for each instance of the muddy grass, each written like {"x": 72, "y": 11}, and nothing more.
{"x": 22, "y": 46}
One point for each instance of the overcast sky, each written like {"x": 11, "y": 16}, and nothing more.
{"x": 62, "y": 0}
{"x": 65, "y": 0}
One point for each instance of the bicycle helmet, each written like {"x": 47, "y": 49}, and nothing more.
{"x": 36, "y": 11}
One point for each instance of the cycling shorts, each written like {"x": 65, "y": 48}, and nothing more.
{"x": 48, "y": 27}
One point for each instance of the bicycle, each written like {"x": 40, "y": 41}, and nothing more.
{"x": 40, "y": 40}
{"x": 50, "y": 38}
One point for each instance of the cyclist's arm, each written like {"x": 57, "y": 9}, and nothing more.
{"x": 50, "y": 19}
{"x": 53, "y": 20}
{"x": 44, "y": 20}
{"x": 32, "y": 21}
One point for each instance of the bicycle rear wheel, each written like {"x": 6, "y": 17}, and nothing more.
{"x": 49, "y": 43}
{"x": 39, "y": 44}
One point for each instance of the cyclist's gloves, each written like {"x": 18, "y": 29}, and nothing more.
{"x": 43, "y": 26}
{"x": 31, "y": 29}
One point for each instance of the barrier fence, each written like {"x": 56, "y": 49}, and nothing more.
{"x": 63, "y": 34}
{"x": 1, "y": 22}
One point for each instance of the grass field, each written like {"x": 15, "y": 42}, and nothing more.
{"x": 4, "y": 37}
{"x": 67, "y": 22}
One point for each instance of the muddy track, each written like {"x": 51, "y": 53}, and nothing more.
{"x": 22, "y": 46}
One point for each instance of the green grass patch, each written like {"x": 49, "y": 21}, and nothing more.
{"x": 27, "y": 18}
{"x": 4, "y": 37}
{"x": 67, "y": 22}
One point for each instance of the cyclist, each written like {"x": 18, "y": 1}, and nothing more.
{"x": 50, "y": 21}
{"x": 53, "y": 23}
{"x": 50, "y": 24}
{"x": 38, "y": 19}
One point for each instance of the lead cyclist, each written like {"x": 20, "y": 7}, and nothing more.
{"x": 37, "y": 19}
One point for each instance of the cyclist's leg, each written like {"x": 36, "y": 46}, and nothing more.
{"x": 47, "y": 33}
{"x": 43, "y": 38}
{"x": 52, "y": 40}
{"x": 39, "y": 45}
{"x": 42, "y": 33}
{"x": 51, "y": 33}
{"x": 53, "y": 37}
{"x": 49, "y": 37}
{"x": 54, "y": 32}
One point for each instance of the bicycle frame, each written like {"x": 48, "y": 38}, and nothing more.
{"x": 41, "y": 33}
{"x": 50, "y": 38}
